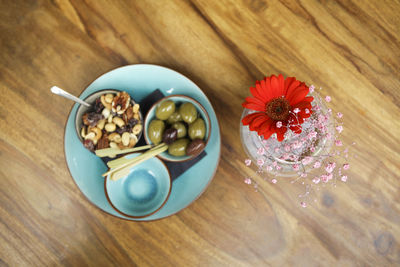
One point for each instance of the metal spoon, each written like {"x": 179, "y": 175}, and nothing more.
{"x": 58, "y": 91}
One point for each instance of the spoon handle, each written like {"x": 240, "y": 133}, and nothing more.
{"x": 58, "y": 91}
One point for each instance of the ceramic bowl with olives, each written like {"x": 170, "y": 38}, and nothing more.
{"x": 180, "y": 122}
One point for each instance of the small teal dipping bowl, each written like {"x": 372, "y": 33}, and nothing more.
{"x": 178, "y": 99}
{"x": 143, "y": 191}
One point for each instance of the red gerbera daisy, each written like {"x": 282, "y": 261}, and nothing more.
{"x": 281, "y": 104}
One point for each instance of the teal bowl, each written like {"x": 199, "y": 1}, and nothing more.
{"x": 178, "y": 100}
{"x": 143, "y": 191}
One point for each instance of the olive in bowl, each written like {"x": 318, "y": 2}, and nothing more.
{"x": 113, "y": 120}
{"x": 180, "y": 122}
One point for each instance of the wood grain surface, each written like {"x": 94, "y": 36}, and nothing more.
{"x": 351, "y": 48}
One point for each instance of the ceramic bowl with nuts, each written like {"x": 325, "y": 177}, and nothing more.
{"x": 180, "y": 122}
{"x": 114, "y": 120}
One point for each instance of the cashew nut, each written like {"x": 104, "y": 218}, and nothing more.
{"x": 133, "y": 140}
{"x": 109, "y": 98}
{"x": 115, "y": 137}
{"x": 113, "y": 145}
{"x": 105, "y": 104}
{"x": 118, "y": 121}
{"x": 97, "y": 133}
{"x": 135, "y": 108}
{"x": 110, "y": 118}
{"x": 110, "y": 127}
{"x": 137, "y": 129}
{"x": 106, "y": 113}
{"x": 83, "y": 132}
{"x": 101, "y": 123}
{"x": 125, "y": 138}
{"x": 91, "y": 136}
{"x": 136, "y": 116}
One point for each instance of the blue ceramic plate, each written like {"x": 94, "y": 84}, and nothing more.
{"x": 139, "y": 81}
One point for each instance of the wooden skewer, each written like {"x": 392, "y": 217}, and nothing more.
{"x": 106, "y": 152}
{"x": 133, "y": 162}
{"x": 117, "y": 162}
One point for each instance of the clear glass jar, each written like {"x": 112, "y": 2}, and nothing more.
{"x": 297, "y": 153}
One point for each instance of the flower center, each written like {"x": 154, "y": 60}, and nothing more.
{"x": 278, "y": 109}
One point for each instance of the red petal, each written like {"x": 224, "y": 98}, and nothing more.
{"x": 253, "y": 106}
{"x": 256, "y": 123}
{"x": 249, "y": 118}
{"x": 291, "y": 88}
{"x": 265, "y": 125}
{"x": 288, "y": 82}
{"x": 267, "y": 134}
{"x": 281, "y": 82}
{"x": 261, "y": 92}
{"x": 296, "y": 128}
{"x": 275, "y": 87}
{"x": 298, "y": 95}
{"x": 266, "y": 89}
{"x": 255, "y": 101}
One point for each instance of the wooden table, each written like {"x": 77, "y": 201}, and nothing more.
{"x": 350, "y": 48}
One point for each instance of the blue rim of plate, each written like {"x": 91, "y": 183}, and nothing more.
{"x": 139, "y": 81}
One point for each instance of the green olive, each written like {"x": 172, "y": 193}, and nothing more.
{"x": 178, "y": 148}
{"x": 175, "y": 117}
{"x": 155, "y": 131}
{"x": 165, "y": 109}
{"x": 181, "y": 129}
{"x": 197, "y": 130}
{"x": 188, "y": 112}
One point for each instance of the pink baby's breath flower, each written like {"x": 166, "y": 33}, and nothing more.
{"x": 303, "y": 204}
{"x": 316, "y": 180}
{"x": 296, "y": 167}
{"x": 287, "y": 148}
{"x": 303, "y": 175}
{"x": 269, "y": 168}
{"x": 247, "y": 162}
{"x": 339, "y": 115}
{"x": 278, "y": 124}
{"x": 274, "y": 181}
{"x": 260, "y": 162}
{"x": 307, "y": 160}
{"x": 324, "y": 178}
{"x": 261, "y": 151}
{"x": 344, "y": 178}
{"x": 346, "y": 166}
{"x": 329, "y": 176}
{"x": 296, "y": 110}
{"x": 330, "y": 167}
{"x": 312, "y": 135}
{"x": 338, "y": 143}
{"x": 277, "y": 149}
{"x": 247, "y": 181}
{"x": 307, "y": 111}
{"x": 311, "y": 88}
{"x": 312, "y": 149}
{"x": 317, "y": 164}
{"x": 278, "y": 168}
{"x": 339, "y": 128}
{"x": 328, "y": 98}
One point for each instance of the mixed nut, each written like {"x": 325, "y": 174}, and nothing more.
{"x": 179, "y": 127}
{"x": 114, "y": 122}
